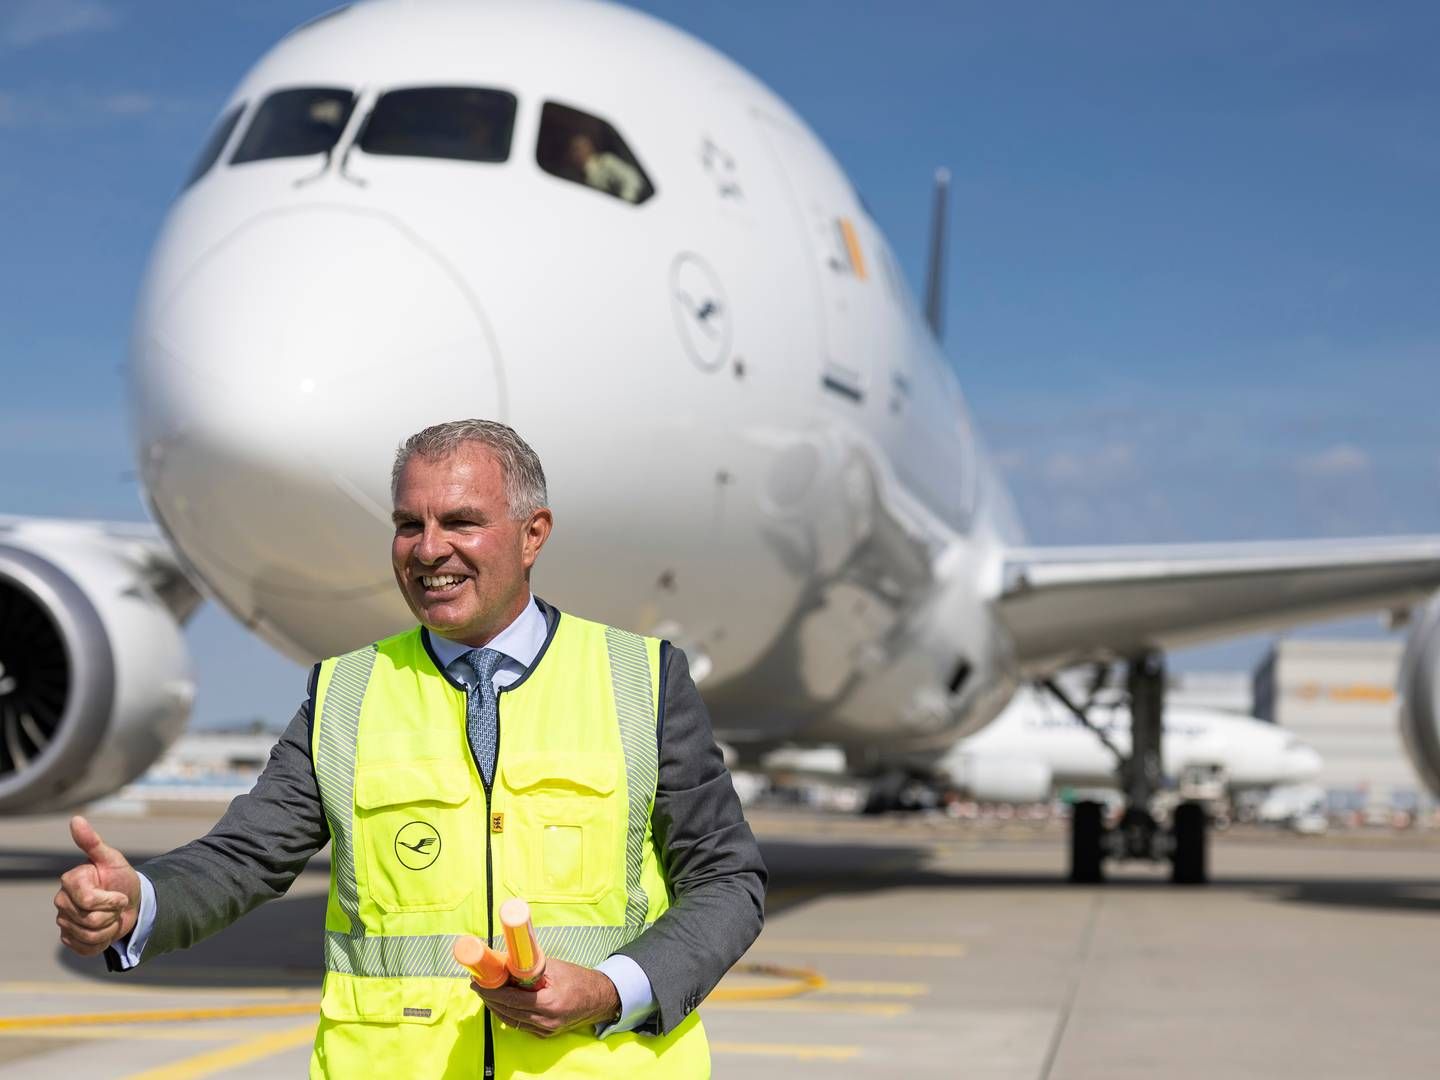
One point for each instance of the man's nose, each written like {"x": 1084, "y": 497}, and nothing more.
{"x": 433, "y": 548}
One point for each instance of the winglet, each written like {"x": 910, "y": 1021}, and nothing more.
{"x": 935, "y": 276}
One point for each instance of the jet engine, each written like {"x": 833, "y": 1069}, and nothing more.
{"x": 997, "y": 779}
{"x": 94, "y": 677}
{"x": 1420, "y": 696}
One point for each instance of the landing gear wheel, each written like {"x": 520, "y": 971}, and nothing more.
{"x": 1188, "y": 860}
{"x": 1087, "y": 830}
{"x": 885, "y": 792}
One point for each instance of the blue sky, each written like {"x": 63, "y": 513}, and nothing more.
{"x": 1192, "y": 293}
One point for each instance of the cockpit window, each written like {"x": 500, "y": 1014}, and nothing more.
{"x": 584, "y": 149}
{"x": 215, "y": 144}
{"x": 296, "y": 123}
{"x": 461, "y": 123}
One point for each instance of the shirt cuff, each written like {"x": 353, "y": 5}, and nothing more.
{"x": 637, "y": 996}
{"x": 128, "y": 949}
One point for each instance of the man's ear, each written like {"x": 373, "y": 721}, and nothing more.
{"x": 536, "y": 532}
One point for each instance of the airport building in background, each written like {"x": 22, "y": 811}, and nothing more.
{"x": 1339, "y": 696}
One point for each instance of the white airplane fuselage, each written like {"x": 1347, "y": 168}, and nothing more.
{"x": 753, "y": 442}
{"x": 1034, "y": 731}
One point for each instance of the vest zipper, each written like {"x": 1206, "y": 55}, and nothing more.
{"x": 490, "y": 885}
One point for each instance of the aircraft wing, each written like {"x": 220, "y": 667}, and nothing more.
{"x": 1068, "y": 605}
{"x": 141, "y": 542}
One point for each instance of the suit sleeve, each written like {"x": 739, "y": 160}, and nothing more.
{"x": 708, "y": 853}
{"x": 253, "y": 854}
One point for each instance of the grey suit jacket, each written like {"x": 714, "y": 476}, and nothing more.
{"x": 709, "y": 855}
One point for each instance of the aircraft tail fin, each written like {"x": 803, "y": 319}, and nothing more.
{"x": 935, "y": 274}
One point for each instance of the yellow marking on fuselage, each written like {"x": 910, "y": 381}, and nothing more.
{"x": 852, "y": 245}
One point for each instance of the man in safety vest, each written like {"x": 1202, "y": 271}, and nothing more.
{"x": 500, "y": 749}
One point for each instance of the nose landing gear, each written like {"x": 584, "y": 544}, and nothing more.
{"x": 1138, "y": 835}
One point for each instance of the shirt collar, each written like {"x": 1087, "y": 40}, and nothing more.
{"x": 521, "y": 641}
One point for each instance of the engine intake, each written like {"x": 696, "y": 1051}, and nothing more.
{"x": 34, "y": 679}
{"x": 1420, "y": 696}
{"x": 93, "y": 672}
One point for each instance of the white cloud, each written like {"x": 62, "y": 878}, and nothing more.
{"x": 1098, "y": 466}
{"x": 73, "y": 106}
{"x": 29, "y": 22}
{"x": 1009, "y": 460}
{"x": 1340, "y": 460}
{"x": 129, "y": 104}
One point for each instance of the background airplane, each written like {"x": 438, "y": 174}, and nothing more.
{"x": 355, "y": 257}
{"x": 1035, "y": 749}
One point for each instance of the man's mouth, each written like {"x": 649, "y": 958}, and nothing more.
{"x": 441, "y": 583}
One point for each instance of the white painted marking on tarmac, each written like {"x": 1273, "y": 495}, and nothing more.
{"x": 875, "y": 989}
{"x": 799, "y": 1052}
{"x": 852, "y": 1008}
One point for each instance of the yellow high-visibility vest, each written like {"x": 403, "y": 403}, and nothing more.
{"x": 421, "y": 852}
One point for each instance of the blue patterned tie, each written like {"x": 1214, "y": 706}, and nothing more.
{"x": 481, "y": 711}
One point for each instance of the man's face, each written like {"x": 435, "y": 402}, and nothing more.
{"x": 581, "y": 149}
{"x": 459, "y": 558}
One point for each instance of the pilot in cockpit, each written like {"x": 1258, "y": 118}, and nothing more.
{"x": 605, "y": 171}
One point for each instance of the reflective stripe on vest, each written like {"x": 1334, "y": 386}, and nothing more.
{"x": 630, "y": 681}
{"x": 428, "y": 955}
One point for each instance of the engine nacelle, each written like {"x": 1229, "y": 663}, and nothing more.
{"x": 94, "y": 677}
{"x": 1420, "y": 696}
{"x": 1000, "y": 779}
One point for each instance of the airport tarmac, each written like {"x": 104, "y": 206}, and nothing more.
{"x": 896, "y": 947}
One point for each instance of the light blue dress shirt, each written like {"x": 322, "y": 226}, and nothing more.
{"x": 521, "y": 642}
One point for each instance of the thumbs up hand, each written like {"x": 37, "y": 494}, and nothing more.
{"x": 98, "y": 900}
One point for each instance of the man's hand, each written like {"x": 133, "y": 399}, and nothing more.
{"x": 98, "y": 900}
{"x": 569, "y": 997}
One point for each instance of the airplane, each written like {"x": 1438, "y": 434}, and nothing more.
{"x": 579, "y": 220}
{"x": 1036, "y": 748}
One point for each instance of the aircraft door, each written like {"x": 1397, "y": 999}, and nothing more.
{"x": 833, "y": 229}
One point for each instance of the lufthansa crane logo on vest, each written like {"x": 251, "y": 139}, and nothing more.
{"x": 417, "y": 845}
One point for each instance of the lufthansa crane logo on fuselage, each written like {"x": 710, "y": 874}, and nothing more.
{"x": 417, "y": 845}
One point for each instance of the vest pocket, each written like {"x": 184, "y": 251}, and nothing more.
{"x": 562, "y": 841}
{"x": 419, "y": 836}
{"x": 385, "y": 1000}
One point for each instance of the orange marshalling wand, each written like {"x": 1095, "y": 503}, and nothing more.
{"x": 522, "y": 952}
{"x": 484, "y": 963}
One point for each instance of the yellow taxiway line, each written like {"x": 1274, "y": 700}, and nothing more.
{"x": 131, "y": 1032}
{"x": 155, "y": 1016}
{"x": 84, "y": 987}
{"x": 227, "y": 1057}
{"x": 797, "y": 981}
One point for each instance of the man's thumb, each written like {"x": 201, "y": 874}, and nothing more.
{"x": 96, "y": 850}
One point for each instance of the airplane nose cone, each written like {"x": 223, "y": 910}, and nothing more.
{"x": 1305, "y": 763}
{"x": 272, "y": 385}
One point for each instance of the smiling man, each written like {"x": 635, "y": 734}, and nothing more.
{"x": 499, "y": 749}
